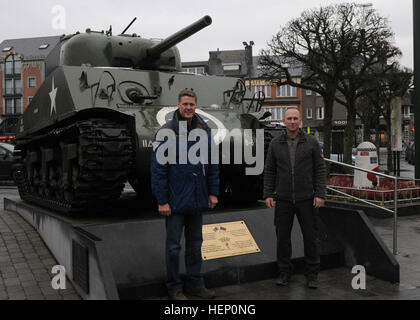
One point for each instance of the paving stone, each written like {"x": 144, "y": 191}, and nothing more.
{"x": 49, "y": 291}
{"x": 37, "y": 266}
{"x": 17, "y": 296}
{"x": 53, "y": 297}
{"x": 38, "y": 297}
{"x": 71, "y": 297}
{"x": 13, "y": 289}
{"x": 16, "y": 255}
{"x": 22, "y": 265}
{"x": 5, "y": 269}
{"x": 4, "y": 296}
{"x": 10, "y": 275}
{"x": 30, "y": 256}
{"x": 48, "y": 262}
{"x": 31, "y": 291}
{"x": 4, "y": 259}
{"x": 26, "y": 277}
{"x": 68, "y": 291}
{"x": 44, "y": 284}
{"x": 14, "y": 250}
{"x": 11, "y": 282}
{"x": 29, "y": 283}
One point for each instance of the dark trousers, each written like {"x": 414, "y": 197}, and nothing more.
{"x": 307, "y": 216}
{"x": 175, "y": 225}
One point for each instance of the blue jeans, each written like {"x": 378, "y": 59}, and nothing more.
{"x": 175, "y": 225}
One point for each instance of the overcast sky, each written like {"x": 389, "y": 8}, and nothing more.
{"x": 234, "y": 21}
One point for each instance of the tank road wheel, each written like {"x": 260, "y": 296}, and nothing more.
{"x": 76, "y": 168}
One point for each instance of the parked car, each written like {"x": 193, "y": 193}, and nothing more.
{"x": 410, "y": 152}
{"x": 6, "y": 161}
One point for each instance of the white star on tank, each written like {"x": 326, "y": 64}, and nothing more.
{"x": 53, "y": 95}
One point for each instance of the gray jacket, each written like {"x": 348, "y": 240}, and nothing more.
{"x": 306, "y": 181}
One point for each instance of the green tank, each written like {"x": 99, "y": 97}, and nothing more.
{"x": 91, "y": 125}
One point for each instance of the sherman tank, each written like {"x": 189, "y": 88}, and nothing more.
{"x": 90, "y": 128}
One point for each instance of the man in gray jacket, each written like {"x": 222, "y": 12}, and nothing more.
{"x": 294, "y": 183}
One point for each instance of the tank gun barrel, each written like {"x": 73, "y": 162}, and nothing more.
{"x": 158, "y": 49}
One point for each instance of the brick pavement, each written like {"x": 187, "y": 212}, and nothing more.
{"x": 25, "y": 262}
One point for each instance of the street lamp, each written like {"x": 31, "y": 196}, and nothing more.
{"x": 416, "y": 24}
{"x": 248, "y": 59}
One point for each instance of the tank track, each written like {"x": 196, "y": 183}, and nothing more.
{"x": 75, "y": 168}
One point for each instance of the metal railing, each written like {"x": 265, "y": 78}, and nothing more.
{"x": 394, "y": 212}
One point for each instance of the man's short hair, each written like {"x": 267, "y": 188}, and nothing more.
{"x": 187, "y": 93}
{"x": 292, "y": 108}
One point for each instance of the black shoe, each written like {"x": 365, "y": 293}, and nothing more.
{"x": 312, "y": 283}
{"x": 202, "y": 293}
{"x": 177, "y": 296}
{"x": 283, "y": 280}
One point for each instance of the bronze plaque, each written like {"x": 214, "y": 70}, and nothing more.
{"x": 227, "y": 240}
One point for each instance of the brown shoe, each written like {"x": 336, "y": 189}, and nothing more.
{"x": 202, "y": 293}
{"x": 177, "y": 296}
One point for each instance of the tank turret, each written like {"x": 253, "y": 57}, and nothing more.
{"x": 100, "y": 49}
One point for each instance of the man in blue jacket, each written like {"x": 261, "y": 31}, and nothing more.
{"x": 184, "y": 189}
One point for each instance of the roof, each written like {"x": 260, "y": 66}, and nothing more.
{"x": 230, "y": 56}
{"x": 195, "y": 64}
{"x": 295, "y": 68}
{"x": 30, "y": 47}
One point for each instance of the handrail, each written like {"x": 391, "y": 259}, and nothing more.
{"x": 395, "y": 211}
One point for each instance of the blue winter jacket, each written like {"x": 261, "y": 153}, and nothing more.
{"x": 185, "y": 187}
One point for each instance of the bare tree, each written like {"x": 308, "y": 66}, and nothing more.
{"x": 370, "y": 56}
{"x": 308, "y": 42}
{"x": 336, "y": 55}
{"x": 395, "y": 83}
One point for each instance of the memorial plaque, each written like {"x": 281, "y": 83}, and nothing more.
{"x": 227, "y": 240}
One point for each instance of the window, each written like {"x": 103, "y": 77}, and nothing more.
{"x": 18, "y": 105}
{"x": 9, "y": 106}
{"x": 31, "y": 82}
{"x": 407, "y": 111}
{"x": 231, "y": 67}
{"x": 9, "y": 66}
{"x": 286, "y": 91}
{"x": 265, "y": 89}
{"x": 277, "y": 114}
{"x": 309, "y": 113}
{"x": 308, "y": 92}
{"x": 18, "y": 86}
{"x": 198, "y": 70}
{"x": 9, "y": 86}
{"x": 320, "y": 113}
{"x": 13, "y": 66}
{"x": 18, "y": 67}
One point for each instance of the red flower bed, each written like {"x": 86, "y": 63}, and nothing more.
{"x": 385, "y": 187}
